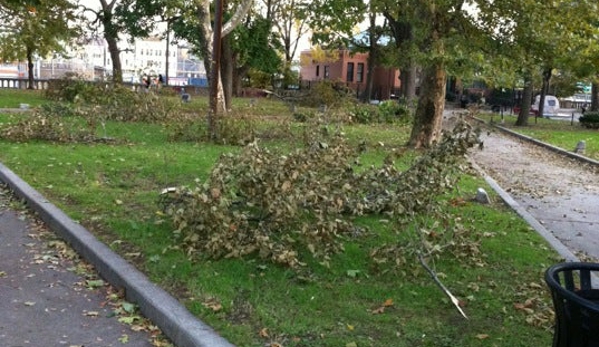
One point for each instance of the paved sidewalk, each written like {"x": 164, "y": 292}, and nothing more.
{"x": 560, "y": 193}
{"x": 43, "y": 303}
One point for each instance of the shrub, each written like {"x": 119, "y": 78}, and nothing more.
{"x": 329, "y": 94}
{"x": 392, "y": 111}
{"x": 590, "y": 120}
{"x": 386, "y": 112}
{"x": 364, "y": 113}
{"x": 72, "y": 88}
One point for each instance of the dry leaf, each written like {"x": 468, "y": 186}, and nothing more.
{"x": 378, "y": 310}
{"x": 264, "y": 333}
{"x": 482, "y": 336}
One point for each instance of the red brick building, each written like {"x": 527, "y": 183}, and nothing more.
{"x": 350, "y": 70}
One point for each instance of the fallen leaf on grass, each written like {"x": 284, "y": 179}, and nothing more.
{"x": 482, "y": 336}
{"x": 379, "y": 310}
{"x": 264, "y": 333}
{"x": 213, "y": 304}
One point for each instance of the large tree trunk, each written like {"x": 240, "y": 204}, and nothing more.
{"x": 113, "y": 49}
{"x": 429, "y": 113}
{"x": 526, "y": 101}
{"x": 595, "y": 96}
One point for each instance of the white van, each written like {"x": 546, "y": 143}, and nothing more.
{"x": 550, "y": 108}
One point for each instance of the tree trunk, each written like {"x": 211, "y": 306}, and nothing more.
{"x": 227, "y": 71}
{"x": 167, "y": 52}
{"x": 30, "y": 78}
{"x": 526, "y": 101}
{"x": 429, "y": 113}
{"x": 404, "y": 36}
{"x": 408, "y": 82}
{"x": 368, "y": 90}
{"x": 206, "y": 33}
{"x": 240, "y": 73}
{"x": 113, "y": 49}
{"x": 544, "y": 90}
{"x": 595, "y": 96}
{"x": 372, "y": 60}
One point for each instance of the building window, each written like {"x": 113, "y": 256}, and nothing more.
{"x": 360, "y": 73}
{"x": 317, "y": 70}
{"x": 326, "y": 72}
{"x": 350, "y": 72}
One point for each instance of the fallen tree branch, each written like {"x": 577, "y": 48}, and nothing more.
{"x": 453, "y": 299}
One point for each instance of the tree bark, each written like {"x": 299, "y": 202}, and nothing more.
{"x": 372, "y": 61}
{"x": 113, "y": 49}
{"x": 595, "y": 96}
{"x": 404, "y": 35}
{"x": 429, "y": 113}
{"x": 544, "y": 90}
{"x": 526, "y": 101}
{"x": 30, "y": 78}
{"x": 408, "y": 82}
{"x": 111, "y": 36}
{"x": 227, "y": 71}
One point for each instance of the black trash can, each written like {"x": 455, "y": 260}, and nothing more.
{"x": 575, "y": 294}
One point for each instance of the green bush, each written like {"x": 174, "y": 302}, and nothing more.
{"x": 392, "y": 111}
{"x": 71, "y": 88}
{"x": 590, "y": 120}
{"x": 364, "y": 113}
{"x": 386, "y": 112}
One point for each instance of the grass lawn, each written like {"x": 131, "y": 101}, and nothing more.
{"x": 112, "y": 189}
{"x": 13, "y": 98}
{"x": 558, "y": 132}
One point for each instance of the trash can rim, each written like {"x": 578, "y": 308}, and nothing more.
{"x": 552, "y": 282}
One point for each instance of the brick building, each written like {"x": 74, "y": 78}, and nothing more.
{"x": 350, "y": 69}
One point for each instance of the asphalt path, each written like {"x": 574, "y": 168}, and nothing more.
{"x": 558, "y": 191}
{"x": 44, "y": 303}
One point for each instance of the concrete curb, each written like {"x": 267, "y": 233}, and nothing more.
{"x": 538, "y": 227}
{"x": 548, "y": 146}
{"x": 175, "y": 321}
{"x": 553, "y": 148}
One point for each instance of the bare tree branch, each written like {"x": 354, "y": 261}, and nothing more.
{"x": 453, "y": 299}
